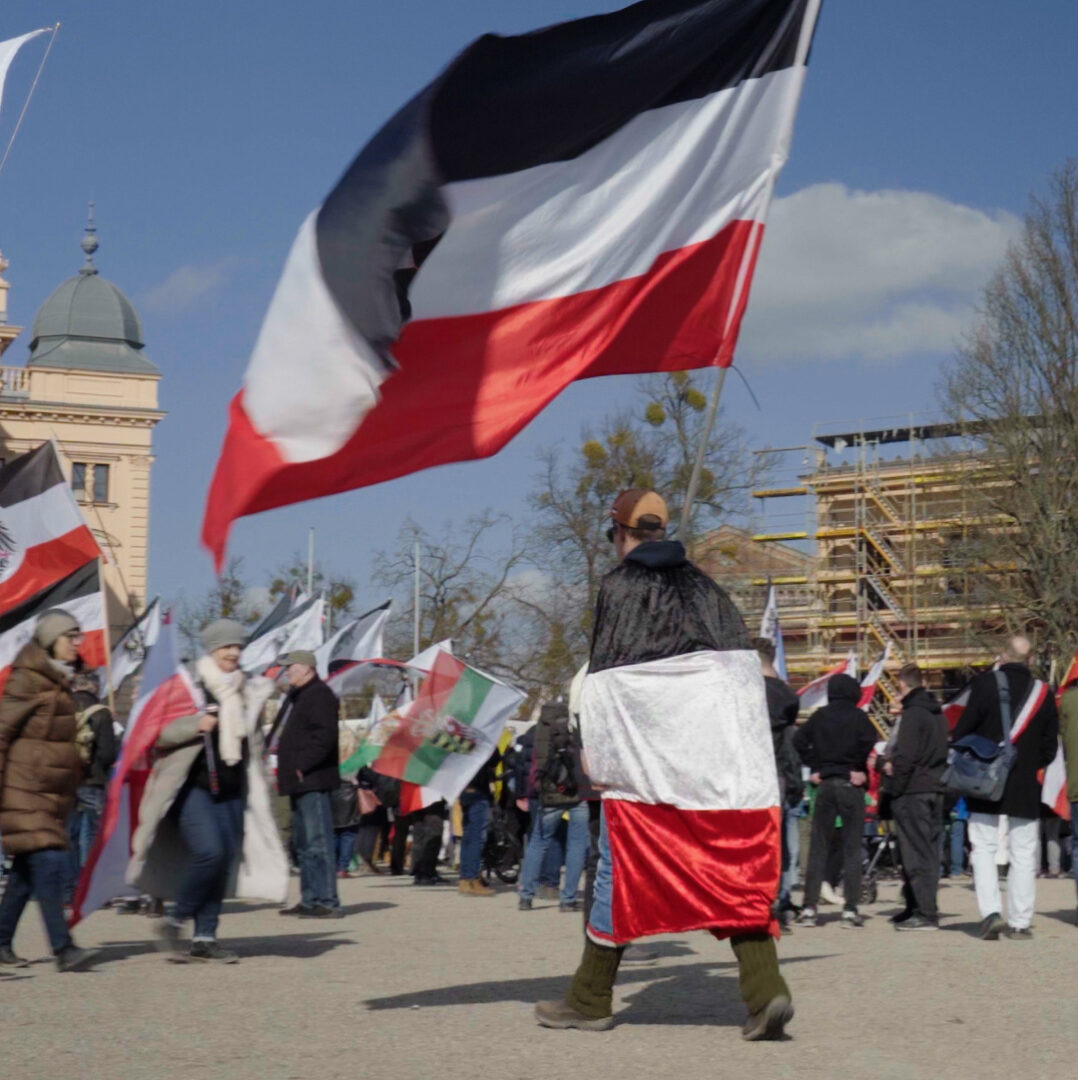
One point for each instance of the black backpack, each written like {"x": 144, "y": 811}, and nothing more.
{"x": 559, "y": 771}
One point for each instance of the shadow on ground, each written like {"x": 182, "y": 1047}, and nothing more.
{"x": 703, "y": 993}
{"x": 296, "y": 946}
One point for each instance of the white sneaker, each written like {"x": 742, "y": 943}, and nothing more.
{"x": 828, "y": 895}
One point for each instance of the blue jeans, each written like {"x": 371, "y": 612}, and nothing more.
{"x": 42, "y": 875}
{"x": 476, "y": 807}
{"x": 956, "y": 855}
{"x": 82, "y": 828}
{"x": 791, "y": 853}
{"x": 576, "y": 849}
{"x": 346, "y": 847}
{"x": 212, "y": 830}
{"x": 312, "y": 832}
{"x": 550, "y": 874}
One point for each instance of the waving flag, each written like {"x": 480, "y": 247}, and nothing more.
{"x": 813, "y": 695}
{"x": 43, "y": 535}
{"x": 130, "y": 651}
{"x": 81, "y": 596}
{"x": 302, "y": 628}
{"x": 868, "y": 683}
{"x": 361, "y": 639}
{"x": 770, "y": 629}
{"x": 165, "y": 694}
{"x": 9, "y": 48}
{"x": 583, "y": 200}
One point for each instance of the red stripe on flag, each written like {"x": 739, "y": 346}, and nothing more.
{"x": 44, "y": 564}
{"x": 469, "y": 383}
{"x": 679, "y": 870}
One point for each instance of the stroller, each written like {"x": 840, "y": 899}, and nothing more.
{"x": 881, "y": 855}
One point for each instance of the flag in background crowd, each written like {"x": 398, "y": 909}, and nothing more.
{"x": 770, "y": 629}
{"x": 81, "y": 596}
{"x": 130, "y": 651}
{"x": 584, "y": 200}
{"x": 303, "y": 627}
{"x": 9, "y": 48}
{"x": 360, "y": 639}
{"x": 440, "y": 740}
{"x": 1054, "y": 786}
{"x": 954, "y": 708}
{"x": 424, "y": 660}
{"x": 43, "y": 535}
{"x": 813, "y": 695}
{"x": 872, "y": 677}
{"x": 165, "y": 693}
{"x": 1068, "y": 677}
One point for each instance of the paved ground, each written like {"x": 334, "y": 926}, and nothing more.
{"x": 426, "y": 983}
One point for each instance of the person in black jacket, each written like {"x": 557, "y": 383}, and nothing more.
{"x": 914, "y": 767}
{"x": 782, "y": 707}
{"x": 1035, "y": 735}
{"x": 835, "y": 743}
{"x": 307, "y": 772}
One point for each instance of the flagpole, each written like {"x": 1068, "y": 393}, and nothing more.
{"x": 310, "y": 562}
{"x": 26, "y": 103}
{"x": 416, "y": 613}
{"x": 701, "y": 451}
{"x": 108, "y": 635}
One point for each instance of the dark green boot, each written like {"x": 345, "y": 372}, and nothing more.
{"x": 763, "y": 989}
{"x": 589, "y": 1003}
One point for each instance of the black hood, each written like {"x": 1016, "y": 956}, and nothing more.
{"x": 843, "y": 688}
{"x": 658, "y": 554}
{"x": 921, "y": 698}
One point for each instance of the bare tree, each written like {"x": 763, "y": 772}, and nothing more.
{"x": 228, "y": 598}
{"x": 1014, "y": 390}
{"x": 291, "y": 577}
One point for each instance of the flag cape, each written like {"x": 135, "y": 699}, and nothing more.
{"x": 772, "y": 630}
{"x": 813, "y": 695}
{"x": 81, "y": 596}
{"x": 443, "y": 737}
{"x": 165, "y": 694}
{"x": 130, "y": 651}
{"x": 43, "y": 535}
{"x": 584, "y": 200}
{"x": 360, "y": 639}
{"x": 301, "y": 628}
{"x": 682, "y": 748}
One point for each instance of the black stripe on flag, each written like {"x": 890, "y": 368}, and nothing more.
{"x": 512, "y": 103}
{"x": 83, "y": 582}
{"x": 29, "y": 474}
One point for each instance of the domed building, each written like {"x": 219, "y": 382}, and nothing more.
{"x": 88, "y": 383}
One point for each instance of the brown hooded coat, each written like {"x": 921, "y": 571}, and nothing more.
{"x": 39, "y": 760}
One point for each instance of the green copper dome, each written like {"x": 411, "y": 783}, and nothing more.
{"x": 89, "y": 324}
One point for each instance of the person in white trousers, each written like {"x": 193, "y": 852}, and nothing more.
{"x": 1035, "y": 733}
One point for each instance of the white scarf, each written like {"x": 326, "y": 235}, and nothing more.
{"x": 227, "y": 688}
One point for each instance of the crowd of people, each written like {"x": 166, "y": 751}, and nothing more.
{"x": 665, "y": 782}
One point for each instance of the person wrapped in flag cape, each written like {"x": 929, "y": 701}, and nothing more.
{"x": 677, "y": 737}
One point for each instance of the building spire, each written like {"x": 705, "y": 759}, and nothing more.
{"x": 89, "y": 243}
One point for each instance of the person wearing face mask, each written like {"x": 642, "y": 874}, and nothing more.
{"x": 205, "y": 827}
{"x": 40, "y": 770}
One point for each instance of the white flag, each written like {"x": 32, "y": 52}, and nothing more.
{"x": 770, "y": 629}
{"x": 361, "y": 639}
{"x": 814, "y": 694}
{"x": 9, "y": 48}
{"x": 424, "y": 660}
{"x": 131, "y": 649}
{"x": 868, "y": 683}
{"x": 303, "y": 629}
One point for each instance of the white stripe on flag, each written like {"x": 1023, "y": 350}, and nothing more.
{"x": 47, "y": 516}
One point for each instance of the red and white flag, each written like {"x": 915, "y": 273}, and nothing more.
{"x": 813, "y": 695}
{"x": 43, "y": 535}
{"x": 81, "y": 596}
{"x": 584, "y": 200}
{"x": 868, "y": 683}
{"x": 954, "y": 708}
{"x": 165, "y": 694}
{"x": 1054, "y": 787}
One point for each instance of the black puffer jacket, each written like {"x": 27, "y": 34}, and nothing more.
{"x": 657, "y": 604}
{"x": 782, "y": 707}
{"x": 837, "y": 739}
{"x": 920, "y": 751}
{"x": 104, "y": 746}
{"x": 309, "y": 742}
{"x": 1036, "y": 745}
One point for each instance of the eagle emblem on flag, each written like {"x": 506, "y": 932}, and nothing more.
{"x": 7, "y": 548}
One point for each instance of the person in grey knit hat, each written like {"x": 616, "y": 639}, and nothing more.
{"x": 207, "y": 798}
{"x": 53, "y": 624}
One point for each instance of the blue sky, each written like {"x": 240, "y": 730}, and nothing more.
{"x": 206, "y": 131}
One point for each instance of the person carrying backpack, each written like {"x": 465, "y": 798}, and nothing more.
{"x": 95, "y": 737}
{"x": 558, "y": 791}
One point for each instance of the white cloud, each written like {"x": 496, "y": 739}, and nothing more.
{"x": 869, "y": 275}
{"x": 186, "y": 284}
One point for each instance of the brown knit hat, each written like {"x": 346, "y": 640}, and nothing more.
{"x": 52, "y": 624}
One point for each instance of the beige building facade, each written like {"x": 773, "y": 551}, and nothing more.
{"x": 87, "y": 383}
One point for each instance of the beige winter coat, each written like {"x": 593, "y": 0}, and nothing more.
{"x": 160, "y": 857}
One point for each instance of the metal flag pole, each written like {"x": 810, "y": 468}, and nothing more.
{"x": 416, "y": 614}
{"x": 108, "y": 634}
{"x": 26, "y": 103}
{"x": 310, "y": 562}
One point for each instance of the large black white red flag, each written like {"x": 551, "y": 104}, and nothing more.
{"x": 81, "y": 596}
{"x": 583, "y": 200}
{"x": 43, "y": 535}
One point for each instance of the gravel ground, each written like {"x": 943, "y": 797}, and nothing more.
{"x": 427, "y": 983}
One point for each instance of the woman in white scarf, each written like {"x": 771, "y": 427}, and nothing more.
{"x": 205, "y": 830}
